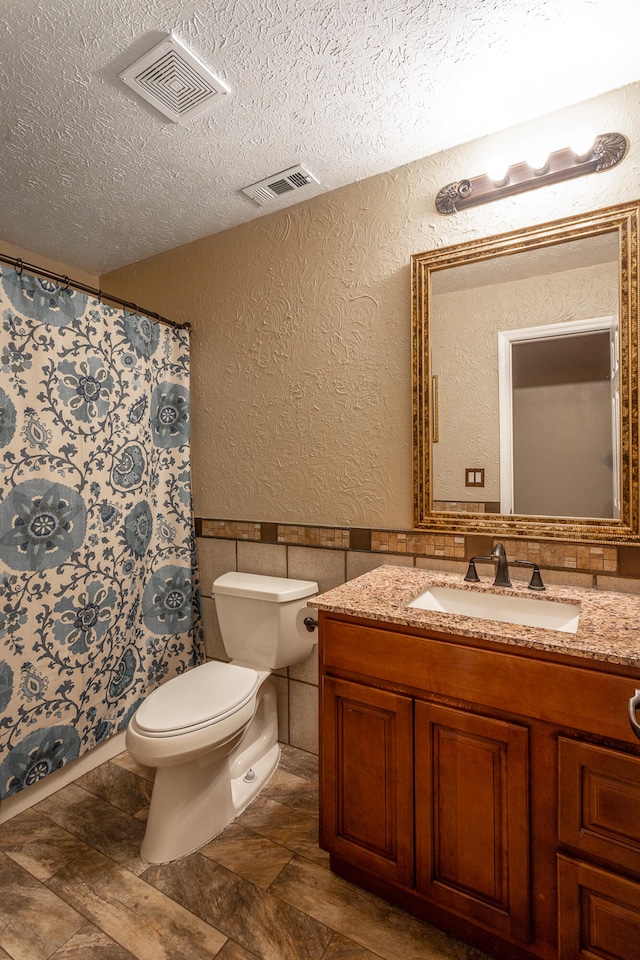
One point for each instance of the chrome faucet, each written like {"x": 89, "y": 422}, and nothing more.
{"x": 499, "y": 557}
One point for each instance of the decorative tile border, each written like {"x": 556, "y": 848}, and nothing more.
{"x": 420, "y": 544}
{"x": 459, "y": 506}
{"x": 565, "y": 556}
{"x": 584, "y": 557}
{"x": 231, "y": 529}
{"x": 335, "y": 538}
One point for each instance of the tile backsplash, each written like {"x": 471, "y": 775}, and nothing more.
{"x": 333, "y": 555}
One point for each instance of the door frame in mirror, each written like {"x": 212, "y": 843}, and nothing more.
{"x": 623, "y": 218}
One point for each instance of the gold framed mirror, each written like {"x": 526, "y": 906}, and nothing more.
{"x": 525, "y": 382}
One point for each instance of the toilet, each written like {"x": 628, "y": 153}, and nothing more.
{"x": 212, "y": 732}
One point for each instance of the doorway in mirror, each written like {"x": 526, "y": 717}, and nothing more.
{"x": 559, "y": 405}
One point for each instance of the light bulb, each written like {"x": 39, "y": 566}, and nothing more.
{"x": 498, "y": 171}
{"x": 538, "y": 160}
{"x": 582, "y": 142}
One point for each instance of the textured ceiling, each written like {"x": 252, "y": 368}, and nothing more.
{"x": 92, "y": 175}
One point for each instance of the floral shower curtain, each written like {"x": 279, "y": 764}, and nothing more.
{"x": 98, "y": 585}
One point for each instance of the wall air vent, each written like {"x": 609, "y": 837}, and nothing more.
{"x": 173, "y": 80}
{"x": 280, "y": 184}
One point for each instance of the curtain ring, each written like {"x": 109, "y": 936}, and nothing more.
{"x": 68, "y": 283}
{"x": 100, "y": 295}
{"x": 19, "y": 266}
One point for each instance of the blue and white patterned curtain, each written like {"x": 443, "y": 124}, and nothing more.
{"x": 98, "y": 584}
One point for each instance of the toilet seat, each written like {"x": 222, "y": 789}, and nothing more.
{"x": 196, "y": 699}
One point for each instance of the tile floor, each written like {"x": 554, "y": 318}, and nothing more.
{"x": 73, "y": 884}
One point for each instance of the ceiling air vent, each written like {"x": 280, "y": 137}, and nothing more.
{"x": 173, "y": 80}
{"x": 280, "y": 184}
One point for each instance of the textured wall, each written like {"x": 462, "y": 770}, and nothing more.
{"x": 301, "y": 327}
{"x": 465, "y": 357}
{"x": 55, "y": 266}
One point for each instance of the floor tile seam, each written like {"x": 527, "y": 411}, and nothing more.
{"x": 297, "y": 811}
{"x": 326, "y": 923}
{"x": 44, "y": 880}
{"x": 70, "y": 862}
{"x": 78, "y": 836}
{"x": 43, "y": 884}
{"x": 78, "y": 786}
{"x": 90, "y": 922}
{"x": 300, "y": 810}
{"x": 338, "y": 934}
{"x": 261, "y": 891}
{"x": 106, "y": 799}
{"x": 313, "y": 778}
{"x": 281, "y": 846}
{"x": 300, "y": 909}
{"x": 390, "y": 909}
{"x": 41, "y": 813}
{"x": 117, "y": 806}
{"x": 222, "y": 866}
{"x": 178, "y": 903}
{"x": 313, "y": 781}
{"x": 277, "y": 843}
{"x": 92, "y": 896}
{"x": 140, "y": 776}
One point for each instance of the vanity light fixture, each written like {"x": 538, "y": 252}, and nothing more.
{"x": 605, "y": 152}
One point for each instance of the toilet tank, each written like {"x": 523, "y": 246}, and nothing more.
{"x": 261, "y": 619}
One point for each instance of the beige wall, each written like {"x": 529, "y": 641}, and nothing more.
{"x": 301, "y": 390}
{"x": 46, "y": 263}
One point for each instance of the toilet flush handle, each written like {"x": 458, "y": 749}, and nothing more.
{"x": 310, "y": 624}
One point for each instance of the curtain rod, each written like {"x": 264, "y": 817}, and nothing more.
{"x": 100, "y": 294}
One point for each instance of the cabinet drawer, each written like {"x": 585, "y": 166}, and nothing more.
{"x": 580, "y": 698}
{"x": 598, "y": 913}
{"x": 599, "y": 802}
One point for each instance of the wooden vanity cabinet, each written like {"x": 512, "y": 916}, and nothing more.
{"x": 599, "y": 821}
{"x": 492, "y": 791}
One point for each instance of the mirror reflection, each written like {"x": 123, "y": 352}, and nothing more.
{"x": 523, "y": 350}
{"x": 524, "y": 368}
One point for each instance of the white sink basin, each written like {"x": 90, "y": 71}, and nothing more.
{"x": 548, "y": 614}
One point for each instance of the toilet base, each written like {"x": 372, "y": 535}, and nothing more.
{"x": 194, "y": 801}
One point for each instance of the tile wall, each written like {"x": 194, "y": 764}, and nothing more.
{"x": 331, "y": 556}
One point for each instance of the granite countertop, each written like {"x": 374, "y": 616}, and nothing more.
{"x": 608, "y": 628}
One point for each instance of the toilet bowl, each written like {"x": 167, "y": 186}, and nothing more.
{"x": 212, "y": 732}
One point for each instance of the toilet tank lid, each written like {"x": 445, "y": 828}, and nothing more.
{"x": 258, "y": 587}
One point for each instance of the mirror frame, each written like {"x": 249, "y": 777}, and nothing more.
{"x": 624, "y": 218}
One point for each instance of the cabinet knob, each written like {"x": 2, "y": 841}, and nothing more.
{"x": 634, "y": 703}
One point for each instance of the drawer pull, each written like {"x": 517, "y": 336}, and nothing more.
{"x": 634, "y": 703}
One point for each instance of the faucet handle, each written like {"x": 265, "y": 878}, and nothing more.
{"x": 472, "y": 573}
{"x": 536, "y": 580}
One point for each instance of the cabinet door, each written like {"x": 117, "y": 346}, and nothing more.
{"x": 367, "y": 782}
{"x": 472, "y": 817}
{"x": 598, "y": 913}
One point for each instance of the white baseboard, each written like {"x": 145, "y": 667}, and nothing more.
{"x": 18, "y": 802}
